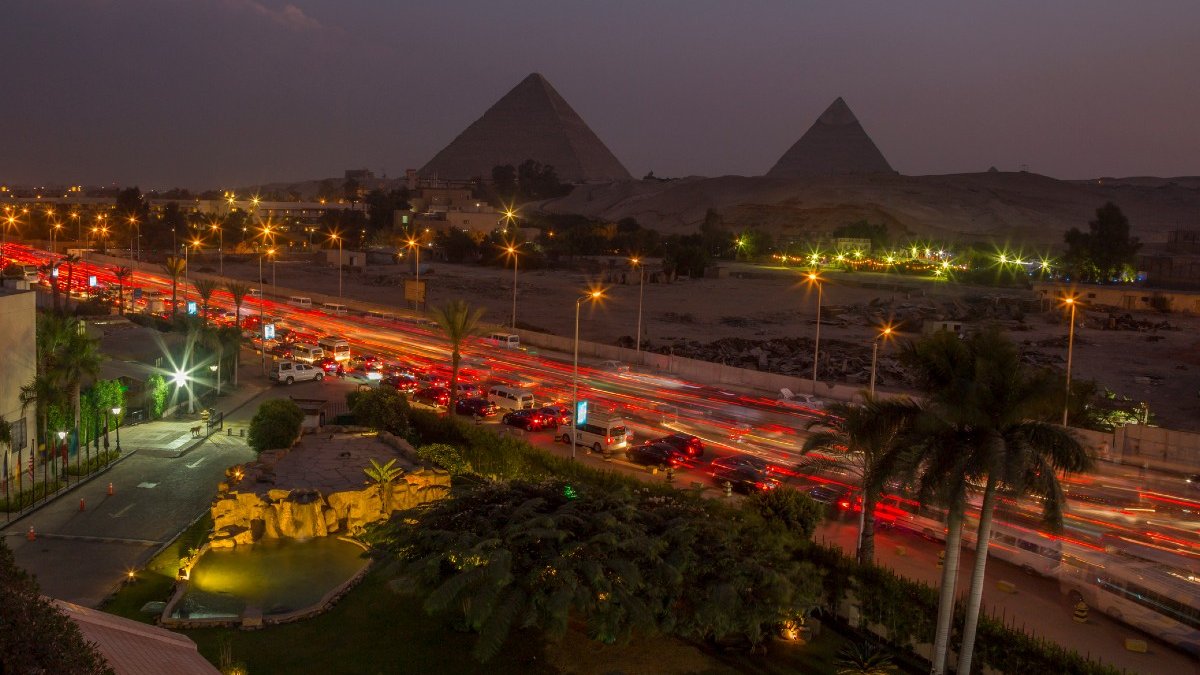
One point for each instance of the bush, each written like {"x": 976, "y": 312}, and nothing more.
{"x": 20, "y": 500}
{"x": 446, "y": 456}
{"x": 382, "y": 408}
{"x": 793, "y": 510}
{"x": 157, "y": 387}
{"x": 276, "y": 424}
{"x": 97, "y": 461}
{"x": 37, "y": 636}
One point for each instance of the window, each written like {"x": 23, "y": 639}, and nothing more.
{"x": 19, "y": 434}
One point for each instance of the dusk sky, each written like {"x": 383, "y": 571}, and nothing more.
{"x": 218, "y": 93}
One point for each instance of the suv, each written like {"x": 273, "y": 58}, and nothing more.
{"x": 685, "y": 443}
{"x": 652, "y": 453}
{"x": 745, "y": 481}
{"x": 475, "y": 407}
{"x": 288, "y": 372}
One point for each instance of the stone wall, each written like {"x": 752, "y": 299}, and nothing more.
{"x": 246, "y": 517}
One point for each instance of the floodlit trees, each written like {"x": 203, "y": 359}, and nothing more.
{"x": 1106, "y": 251}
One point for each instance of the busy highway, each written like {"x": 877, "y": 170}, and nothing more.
{"x": 1130, "y": 545}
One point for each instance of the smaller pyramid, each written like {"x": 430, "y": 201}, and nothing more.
{"x": 532, "y": 121}
{"x": 836, "y": 144}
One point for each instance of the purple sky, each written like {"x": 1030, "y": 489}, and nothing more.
{"x": 210, "y": 93}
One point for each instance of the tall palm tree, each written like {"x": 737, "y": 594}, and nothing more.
{"x": 121, "y": 274}
{"x": 238, "y": 290}
{"x": 48, "y": 269}
{"x": 458, "y": 321}
{"x": 44, "y": 392}
{"x": 174, "y": 267}
{"x": 985, "y": 420}
{"x": 70, "y": 261}
{"x": 866, "y": 439}
{"x": 205, "y": 289}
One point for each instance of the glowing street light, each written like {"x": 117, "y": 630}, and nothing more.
{"x": 511, "y": 251}
{"x": 813, "y": 278}
{"x": 116, "y": 411}
{"x": 884, "y": 333}
{"x": 181, "y": 379}
{"x": 415, "y": 246}
{"x": 335, "y": 237}
{"x": 641, "y": 296}
{"x": 220, "y": 247}
{"x": 592, "y": 296}
{"x": 1070, "y": 301}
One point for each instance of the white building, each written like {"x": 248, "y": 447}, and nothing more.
{"x": 18, "y": 365}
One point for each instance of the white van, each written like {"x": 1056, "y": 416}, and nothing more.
{"x": 307, "y": 353}
{"x": 600, "y": 433}
{"x": 510, "y": 398}
{"x": 506, "y": 340}
{"x": 382, "y": 316}
{"x": 30, "y": 273}
{"x": 334, "y": 309}
{"x": 300, "y": 301}
{"x": 335, "y": 347}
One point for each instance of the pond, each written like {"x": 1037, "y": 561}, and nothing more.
{"x": 276, "y": 575}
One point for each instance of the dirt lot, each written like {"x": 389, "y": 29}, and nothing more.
{"x": 1159, "y": 366}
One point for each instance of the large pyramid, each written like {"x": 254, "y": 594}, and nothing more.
{"x": 835, "y": 144}
{"x": 531, "y": 122}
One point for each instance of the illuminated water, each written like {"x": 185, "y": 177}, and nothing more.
{"x": 275, "y": 575}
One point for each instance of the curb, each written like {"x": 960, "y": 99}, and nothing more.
{"x": 200, "y": 441}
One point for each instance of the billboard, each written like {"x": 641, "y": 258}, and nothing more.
{"x": 414, "y": 291}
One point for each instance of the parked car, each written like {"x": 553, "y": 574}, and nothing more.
{"x": 561, "y": 414}
{"x": 288, "y": 372}
{"x": 434, "y": 396}
{"x": 468, "y": 390}
{"x": 656, "y": 454}
{"x": 328, "y": 365}
{"x": 480, "y": 407}
{"x": 401, "y": 383}
{"x": 280, "y": 351}
{"x": 529, "y": 420}
{"x": 685, "y": 443}
{"x": 745, "y": 481}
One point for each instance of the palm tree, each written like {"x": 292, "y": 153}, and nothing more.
{"x": 205, "y": 289}
{"x": 121, "y": 274}
{"x": 866, "y": 438}
{"x": 984, "y": 421}
{"x": 384, "y": 475}
{"x": 174, "y": 267}
{"x": 48, "y": 269}
{"x": 864, "y": 658}
{"x": 458, "y": 320}
{"x": 46, "y": 393}
{"x": 238, "y": 291}
{"x": 70, "y": 261}
{"x": 67, "y": 355}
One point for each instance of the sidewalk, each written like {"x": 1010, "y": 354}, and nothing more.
{"x": 172, "y": 436}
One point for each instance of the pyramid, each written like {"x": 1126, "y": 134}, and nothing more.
{"x": 835, "y": 144}
{"x": 531, "y": 122}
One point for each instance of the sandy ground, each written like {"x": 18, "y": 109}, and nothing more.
{"x": 774, "y": 304}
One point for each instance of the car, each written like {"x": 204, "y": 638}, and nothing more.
{"x": 788, "y": 399}
{"x": 656, "y": 454}
{"x": 327, "y": 365}
{"x": 685, "y": 443}
{"x": 476, "y": 407}
{"x": 281, "y": 351}
{"x": 402, "y": 383}
{"x": 434, "y": 396}
{"x": 751, "y": 463}
{"x": 468, "y": 390}
{"x": 366, "y": 363}
{"x": 288, "y": 372}
{"x": 561, "y": 414}
{"x": 433, "y": 379}
{"x": 529, "y": 420}
{"x": 744, "y": 481}
{"x": 616, "y": 367}
{"x": 1193, "y": 481}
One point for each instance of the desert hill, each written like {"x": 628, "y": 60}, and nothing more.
{"x": 1019, "y": 208}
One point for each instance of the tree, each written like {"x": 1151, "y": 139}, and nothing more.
{"x": 876, "y": 232}
{"x": 788, "y": 508}
{"x": 121, "y": 274}
{"x": 70, "y": 261}
{"x": 205, "y": 289}
{"x": 865, "y": 438}
{"x": 1106, "y": 251}
{"x": 157, "y": 386}
{"x": 985, "y": 420}
{"x": 275, "y": 425}
{"x": 458, "y": 321}
{"x": 131, "y": 203}
{"x": 38, "y": 637}
{"x": 864, "y": 658}
{"x": 174, "y": 267}
{"x": 238, "y": 291}
{"x": 381, "y": 408}
{"x": 384, "y": 475}
{"x": 445, "y": 456}
{"x": 504, "y": 182}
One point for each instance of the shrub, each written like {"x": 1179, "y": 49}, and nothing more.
{"x": 382, "y": 408}
{"x": 446, "y": 456}
{"x": 158, "y": 395}
{"x": 276, "y": 424}
{"x": 97, "y": 461}
{"x": 793, "y": 510}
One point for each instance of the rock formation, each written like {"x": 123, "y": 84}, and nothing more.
{"x": 836, "y": 144}
{"x": 532, "y": 121}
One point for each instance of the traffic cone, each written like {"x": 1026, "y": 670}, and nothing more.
{"x": 110, "y": 490}
{"x": 32, "y": 536}
{"x": 1081, "y": 612}
{"x": 81, "y": 506}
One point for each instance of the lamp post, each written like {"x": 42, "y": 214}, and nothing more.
{"x": 182, "y": 380}
{"x": 216, "y": 370}
{"x": 593, "y": 296}
{"x": 334, "y": 236}
{"x": 62, "y": 441}
{"x": 511, "y": 251}
{"x": 116, "y": 411}
{"x": 884, "y": 333}
{"x": 274, "y": 287}
{"x": 220, "y": 248}
{"x": 1071, "y": 302}
{"x": 416, "y": 246}
{"x": 814, "y": 278}
{"x": 641, "y": 296}
{"x": 9, "y": 222}
{"x": 53, "y": 231}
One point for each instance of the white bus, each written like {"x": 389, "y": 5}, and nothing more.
{"x": 300, "y": 301}
{"x": 505, "y": 340}
{"x": 338, "y": 348}
{"x": 307, "y": 353}
{"x": 1144, "y": 595}
{"x": 1026, "y": 547}
{"x": 335, "y": 309}
{"x": 510, "y": 398}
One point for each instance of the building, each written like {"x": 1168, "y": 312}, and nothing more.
{"x": 1175, "y": 264}
{"x": 134, "y": 648}
{"x": 1121, "y": 296}
{"x": 18, "y": 335}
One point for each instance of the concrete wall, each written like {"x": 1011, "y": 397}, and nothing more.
{"x": 18, "y": 366}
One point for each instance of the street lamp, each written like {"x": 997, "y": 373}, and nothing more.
{"x": 592, "y": 296}
{"x": 216, "y": 370}
{"x": 220, "y": 248}
{"x": 884, "y": 333}
{"x": 274, "y": 287}
{"x": 181, "y": 379}
{"x": 814, "y": 278}
{"x": 1071, "y": 301}
{"x": 416, "y": 246}
{"x": 62, "y": 443}
{"x": 9, "y": 222}
{"x": 116, "y": 411}
{"x": 132, "y": 226}
{"x": 511, "y": 251}
{"x": 53, "y": 231}
{"x": 334, "y": 236}
{"x": 641, "y": 295}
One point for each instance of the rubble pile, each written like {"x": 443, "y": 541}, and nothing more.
{"x": 840, "y": 360}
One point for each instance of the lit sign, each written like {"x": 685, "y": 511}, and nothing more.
{"x": 581, "y": 413}
{"x": 92, "y": 281}
{"x": 268, "y": 331}
{"x": 54, "y": 272}
{"x": 191, "y": 307}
